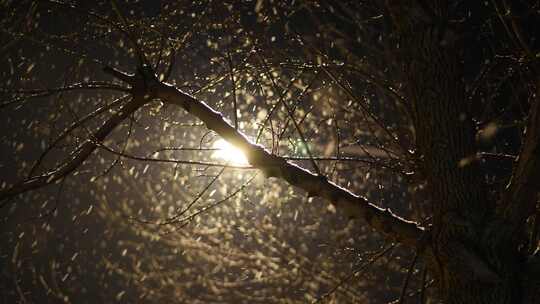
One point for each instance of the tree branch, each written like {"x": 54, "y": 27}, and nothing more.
{"x": 520, "y": 197}
{"x": 382, "y": 220}
{"x": 79, "y": 156}
{"x": 142, "y": 85}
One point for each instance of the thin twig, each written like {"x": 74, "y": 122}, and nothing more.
{"x": 291, "y": 117}
{"x": 354, "y": 273}
{"x": 169, "y": 160}
{"x": 233, "y": 85}
{"x": 408, "y": 278}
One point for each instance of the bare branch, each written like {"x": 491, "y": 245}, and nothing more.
{"x": 372, "y": 260}
{"x": 72, "y": 127}
{"x": 169, "y": 160}
{"x": 119, "y": 74}
{"x": 79, "y": 156}
{"x": 382, "y": 220}
{"x": 519, "y": 199}
{"x": 18, "y": 100}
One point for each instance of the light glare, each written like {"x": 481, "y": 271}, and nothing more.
{"x": 229, "y": 153}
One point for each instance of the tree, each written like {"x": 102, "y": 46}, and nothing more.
{"x": 428, "y": 109}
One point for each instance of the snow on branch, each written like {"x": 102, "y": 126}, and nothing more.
{"x": 382, "y": 220}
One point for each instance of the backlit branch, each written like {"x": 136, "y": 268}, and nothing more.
{"x": 83, "y": 151}
{"x": 382, "y": 220}
{"x": 145, "y": 87}
{"x": 72, "y": 127}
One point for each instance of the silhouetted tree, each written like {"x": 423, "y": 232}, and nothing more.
{"x": 410, "y": 123}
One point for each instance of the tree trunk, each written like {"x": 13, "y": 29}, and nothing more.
{"x": 474, "y": 254}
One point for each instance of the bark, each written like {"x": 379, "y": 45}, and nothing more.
{"x": 520, "y": 198}
{"x": 474, "y": 253}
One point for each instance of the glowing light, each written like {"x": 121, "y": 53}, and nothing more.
{"x": 229, "y": 153}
